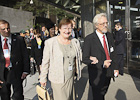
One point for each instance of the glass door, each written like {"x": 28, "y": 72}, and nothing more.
{"x": 128, "y": 13}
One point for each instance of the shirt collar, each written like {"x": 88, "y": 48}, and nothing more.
{"x": 2, "y": 37}
{"x": 99, "y": 34}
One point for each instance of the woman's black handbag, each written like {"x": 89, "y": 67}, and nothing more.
{"x": 32, "y": 67}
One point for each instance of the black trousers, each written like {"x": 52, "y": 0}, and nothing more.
{"x": 120, "y": 62}
{"x": 99, "y": 92}
{"x": 5, "y": 91}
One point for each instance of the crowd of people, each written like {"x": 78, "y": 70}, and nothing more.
{"x": 58, "y": 56}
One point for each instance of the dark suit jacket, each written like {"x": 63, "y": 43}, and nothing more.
{"x": 36, "y": 53}
{"x": 19, "y": 59}
{"x": 120, "y": 41}
{"x": 93, "y": 47}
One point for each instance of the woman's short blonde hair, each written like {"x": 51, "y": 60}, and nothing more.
{"x": 65, "y": 21}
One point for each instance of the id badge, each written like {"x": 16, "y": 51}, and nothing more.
{"x": 111, "y": 49}
{"x": 39, "y": 46}
{"x": 6, "y": 53}
{"x": 70, "y": 68}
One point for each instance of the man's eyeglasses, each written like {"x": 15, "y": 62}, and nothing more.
{"x": 5, "y": 29}
{"x": 103, "y": 24}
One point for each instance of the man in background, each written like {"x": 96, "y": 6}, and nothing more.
{"x": 31, "y": 33}
{"x": 74, "y": 32}
{"x": 120, "y": 46}
{"x": 44, "y": 33}
{"x": 22, "y": 33}
{"x": 14, "y": 63}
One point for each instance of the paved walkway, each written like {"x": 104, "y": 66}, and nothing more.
{"x": 124, "y": 88}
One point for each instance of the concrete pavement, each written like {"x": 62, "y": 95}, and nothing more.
{"x": 124, "y": 88}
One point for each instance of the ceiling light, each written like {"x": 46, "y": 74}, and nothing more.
{"x": 31, "y": 2}
{"x": 120, "y": 2}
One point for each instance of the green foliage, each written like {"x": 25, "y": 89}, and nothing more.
{"x": 40, "y": 9}
{"x": 38, "y": 25}
{"x": 62, "y": 13}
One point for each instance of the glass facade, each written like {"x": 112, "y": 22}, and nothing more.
{"x": 128, "y": 13}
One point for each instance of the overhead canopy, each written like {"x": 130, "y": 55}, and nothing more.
{"x": 133, "y": 3}
{"x": 71, "y": 6}
{"x": 74, "y": 6}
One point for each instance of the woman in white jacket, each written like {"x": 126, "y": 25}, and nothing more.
{"x": 61, "y": 60}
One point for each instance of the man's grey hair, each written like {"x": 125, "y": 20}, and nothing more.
{"x": 97, "y": 17}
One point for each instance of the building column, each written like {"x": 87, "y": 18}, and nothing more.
{"x": 88, "y": 10}
{"x": 87, "y": 13}
{"x": 128, "y": 32}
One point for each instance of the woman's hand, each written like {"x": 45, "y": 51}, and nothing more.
{"x": 24, "y": 75}
{"x": 43, "y": 84}
{"x": 94, "y": 60}
{"x": 1, "y": 83}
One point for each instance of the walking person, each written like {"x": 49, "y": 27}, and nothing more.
{"x": 14, "y": 63}
{"x": 61, "y": 60}
{"x": 99, "y": 55}
{"x": 44, "y": 33}
{"x": 120, "y": 46}
{"x": 37, "y": 46}
{"x": 31, "y": 33}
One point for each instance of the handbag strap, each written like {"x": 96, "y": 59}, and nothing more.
{"x": 25, "y": 82}
{"x": 44, "y": 87}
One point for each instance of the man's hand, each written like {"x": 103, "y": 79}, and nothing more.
{"x": 94, "y": 60}
{"x": 107, "y": 63}
{"x": 24, "y": 75}
{"x": 116, "y": 73}
{"x": 1, "y": 83}
{"x": 31, "y": 59}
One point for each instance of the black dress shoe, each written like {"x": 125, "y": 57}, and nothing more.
{"x": 121, "y": 74}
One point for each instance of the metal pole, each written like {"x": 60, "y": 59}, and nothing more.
{"x": 109, "y": 16}
{"x": 127, "y": 25}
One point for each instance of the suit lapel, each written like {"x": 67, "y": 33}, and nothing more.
{"x": 74, "y": 43}
{"x": 35, "y": 42}
{"x": 13, "y": 44}
{"x": 96, "y": 38}
{"x": 1, "y": 50}
{"x": 57, "y": 47}
{"x": 109, "y": 41}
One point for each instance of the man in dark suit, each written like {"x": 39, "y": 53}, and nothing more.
{"x": 14, "y": 63}
{"x": 120, "y": 46}
{"x": 99, "y": 55}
